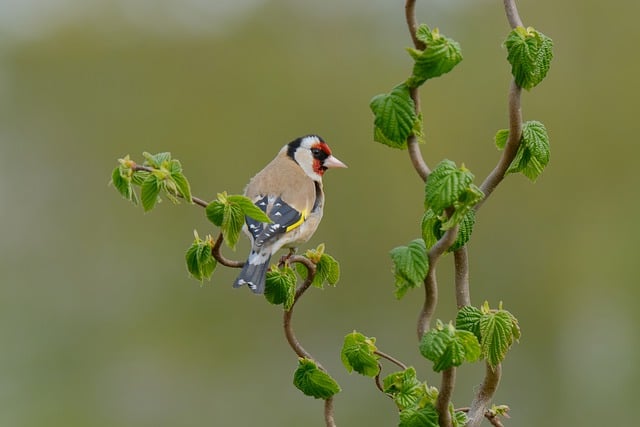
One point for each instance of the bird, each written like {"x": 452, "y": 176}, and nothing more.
{"x": 289, "y": 191}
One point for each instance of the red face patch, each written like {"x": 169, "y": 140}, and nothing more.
{"x": 320, "y": 152}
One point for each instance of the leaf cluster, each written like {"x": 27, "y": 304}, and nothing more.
{"x": 200, "y": 261}
{"x": 358, "y": 354}
{"x": 495, "y": 330}
{"x": 327, "y": 268}
{"x": 448, "y": 347}
{"x": 159, "y": 174}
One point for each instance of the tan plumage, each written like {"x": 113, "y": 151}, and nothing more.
{"x": 289, "y": 190}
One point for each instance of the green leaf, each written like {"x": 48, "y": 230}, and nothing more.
{"x": 407, "y": 391}
{"x": 458, "y": 418}
{"x": 180, "y": 181}
{"x": 200, "y": 262}
{"x": 529, "y": 52}
{"x": 424, "y": 417}
{"x": 249, "y": 208}
{"x": 358, "y": 354}
{"x": 395, "y": 117}
{"x": 432, "y": 229}
{"x": 533, "y": 152}
{"x": 313, "y": 382}
{"x": 410, "y": 266}
{"x": 122, "y": 183}
{"x": 228, "y": 213}
{"x": 498, "y": 330}
{"x": 280, "y": 287}
{"x": 438, "y": 58}
{"x": 156, "y": 160}
{"x": 445, "y": 185}
{"x": 327, "y": 268}
{"x": 501, "y": 138}
{"x": 149, "y": 192}
{"x": 468, "y": 319}
{"x": 447, "y": 347}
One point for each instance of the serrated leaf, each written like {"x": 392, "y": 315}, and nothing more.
{"x": 149, "y": 192}
{"x": 358, "y": 354}
{"x": 468, "y": 319}
{"x": 424, "y": 417}
{"x": 228, "y": 213}
{"x": 445, "y": 185}
{"x": 200, "y": 262}
{"x": 407, "y": 391}
{"x": 501, "y": 138}
{"x": 313, "y": 382}
{"x": 533, "y": 152}
{"x": 156, "y": 160}
{"x": 395, "y": 117}
{"x": 432, "y": 229}
{"x": 182, "y": 185}
{"x": 447, "y": 347}
{"x": 498, "y": 330}
{"x": 458, "y": 418}
{"x": 529, "y": 52}
{"x": 439, "y": 57}
{"x": 280, "y": 287}
{"x": 327, "y": 269}
{"x": 249, "y": 208}
{"x": 410, "y": 266}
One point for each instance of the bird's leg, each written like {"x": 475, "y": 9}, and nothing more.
{"x": 284, "y": 260}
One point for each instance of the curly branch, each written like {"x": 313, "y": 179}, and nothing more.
{"x": 391, "y": 359}
{"x": 444, "y": 396}
{"x": 485, "y": 395}
{"x": 461, "y": 266}
{"x": 216, "y": 252}
{"x": 431, "y": 283}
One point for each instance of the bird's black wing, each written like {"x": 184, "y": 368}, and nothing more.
{"x": 283, "y": 218}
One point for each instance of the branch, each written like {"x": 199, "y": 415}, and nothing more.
{"x": 217, "y": 254}
{"x": 391, "y": 359}
{"x": 512, "y": 14}
{"x": 444, "y": 396}
{"x": 412, "y": 142}
{"x": 430, "y": 282}
{"x": 485, "y": 395}
{"x": 490, "y": 415}
{"x": 461, "y": 265}
{"x": 291, "y": 336}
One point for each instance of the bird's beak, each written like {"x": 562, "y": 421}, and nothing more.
{"x": 332, "y": 162}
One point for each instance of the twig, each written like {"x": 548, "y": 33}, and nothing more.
{"x": 461, "y": 265}
{"x": 391, "y": 359}
{"x": 377, "y": 379}
{"x": 444, "y": 396}
{"x": 512, "y": 14}
{"x": 485, "y": 395}
{"x": 412, "y": 23}
{"x": 431, "y": 283}
{"x": 217, "y": 254}
{"x": 291, "y": 336}
{"x": 491, "y": 416}
{"x": 196, "y": 200}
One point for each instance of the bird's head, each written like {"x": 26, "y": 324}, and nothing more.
{"x": 313, "y": 155}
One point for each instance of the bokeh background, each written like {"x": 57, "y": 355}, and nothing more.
{"x": 100, "y": 324}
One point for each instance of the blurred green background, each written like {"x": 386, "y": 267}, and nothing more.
{"x": 99, "y": 322}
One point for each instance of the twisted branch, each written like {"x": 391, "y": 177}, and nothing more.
{"x": 484, "y": 396}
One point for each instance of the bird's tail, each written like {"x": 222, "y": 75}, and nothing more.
{"x": 254, "y": 273}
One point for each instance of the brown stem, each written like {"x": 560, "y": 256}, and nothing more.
{"x": 512, "y": 14}
{"x": 461, "y": 265}
{"x": 328, "y": 413}
{"x": 391, "y": 359}
{"x": 491, "y": 416}
{"x": 510, "y": 149}
{"x": 484, "y": 395}
{"x": 444, "y": 396}
{"x": 217, "y": 254}
{"x": 431, "y": 283}
{"x": 412, "y": 23}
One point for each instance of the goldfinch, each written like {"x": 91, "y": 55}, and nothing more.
{"x": 289, "y": 190}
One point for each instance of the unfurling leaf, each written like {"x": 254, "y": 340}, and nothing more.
{"x": 432, "y": 229}
{"x": 200, "y": 262}
{"x": 439, "y": 57}
{"x": 533, "y": 152}
{"x": 280, "y": 287}
{"x": 395, "y": 117}
{"x": 410, "y": 266}
{"x": 327, "y": 268}
{"x": 447, "y": 346}
{"x": 358, "y": 354}
{"x": 121, "y": 181}
{"x": 407, "y": 391}
{"x": 313, "y": 382}
{"x": 423, "y": 417}
{"x": 529, "y": 52}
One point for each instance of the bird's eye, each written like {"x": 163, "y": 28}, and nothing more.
{"x": 315, "y": 151}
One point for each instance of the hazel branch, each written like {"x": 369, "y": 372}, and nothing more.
{"x": 484, "y": 396}
{"x": 216, "y": 252}
{"x": 444, "y": 396}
